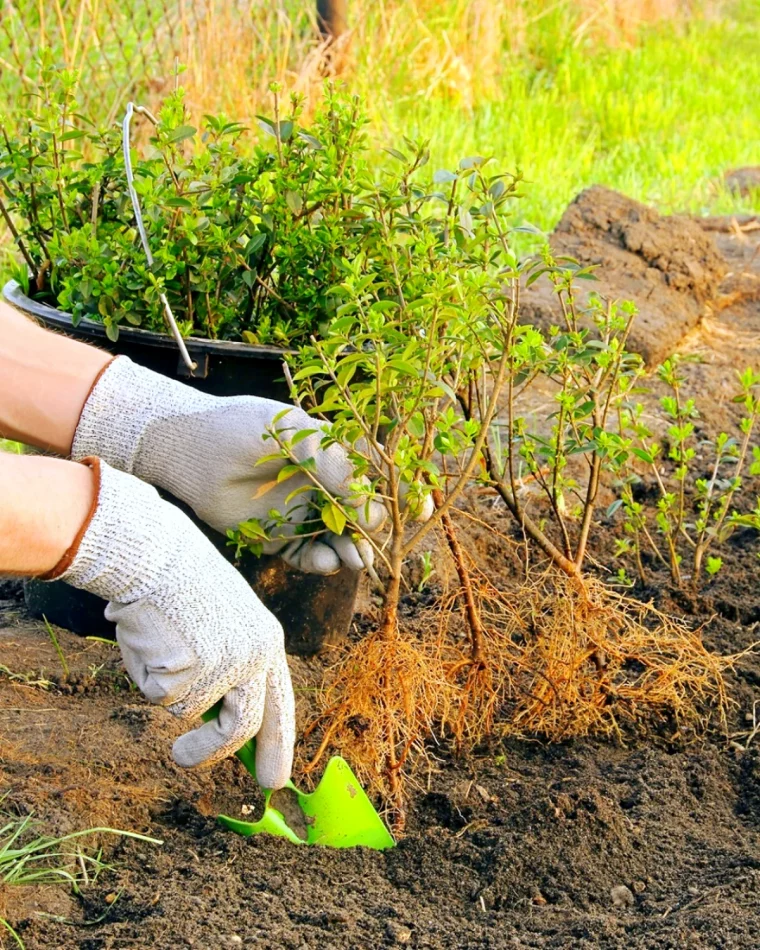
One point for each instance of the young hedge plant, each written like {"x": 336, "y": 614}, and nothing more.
{"x": 583, "y": 363}
{"x": 415, "y": 323}
{"x": 698, "y": 481}
{"x": 425, "y": 374}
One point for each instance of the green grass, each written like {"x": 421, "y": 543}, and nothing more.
{"x": 29, "y": 858}
{"x": 660, "y": 122}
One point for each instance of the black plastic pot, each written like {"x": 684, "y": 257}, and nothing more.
{"x": 314, "y": 611}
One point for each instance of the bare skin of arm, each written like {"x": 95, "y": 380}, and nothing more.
{"x": 45, "y": 379}
{"x": 43, "y": 504}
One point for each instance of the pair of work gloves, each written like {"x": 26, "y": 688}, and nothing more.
{"x": 191, "y": 630}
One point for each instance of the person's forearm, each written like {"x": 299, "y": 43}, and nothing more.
{"x": 45, "y": 379}
{"x": 44, "y": 503}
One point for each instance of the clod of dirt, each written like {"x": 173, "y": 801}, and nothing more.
{"x": 622, "y": 896}
{"x": 397, "y": 933}
{"x": 743, "y": 181}
{"x": 668, "y": 266}
{"x": 286, "y": 801}
{"x": 537, "y": 897}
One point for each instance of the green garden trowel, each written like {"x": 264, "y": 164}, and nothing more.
{"x": 337, "y": 814}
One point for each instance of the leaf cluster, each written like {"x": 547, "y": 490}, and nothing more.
{"x": 245, "y": 238}
{"x": 421, "y": 313}
{"x": 697, "y": 478}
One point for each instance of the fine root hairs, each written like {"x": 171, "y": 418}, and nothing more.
{"x": 561, "y": 658}
{"x": 381, "y": 702}
{"x": 579, "y": 659}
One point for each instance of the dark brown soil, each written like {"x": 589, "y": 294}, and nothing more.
{"x": 522, "y": 846}
{"x": 580, "y": 845}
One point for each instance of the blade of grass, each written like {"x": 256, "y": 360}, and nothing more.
{"x": 57, "y": 645}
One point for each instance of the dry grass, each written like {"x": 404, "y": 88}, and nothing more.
{"x": 117, "y": 45}
{"x": 456, "y": 50}
{"x": 233, "y": 49}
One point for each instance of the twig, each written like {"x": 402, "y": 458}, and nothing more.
{"x": 17, "y": 237}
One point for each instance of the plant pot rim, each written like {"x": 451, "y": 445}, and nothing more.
{"x": 62, "y": 320}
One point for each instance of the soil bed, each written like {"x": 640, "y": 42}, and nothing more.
{"x": 522, "y": 846}
{"x": 579, "y": 845}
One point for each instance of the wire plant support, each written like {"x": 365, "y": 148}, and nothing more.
{"x": 125, "y": 129}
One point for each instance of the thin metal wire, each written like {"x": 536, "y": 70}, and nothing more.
{"x": 131, "y": 109}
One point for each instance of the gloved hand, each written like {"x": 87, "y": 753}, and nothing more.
{"x": 204, "y": 449}
{"x": 191, "y": 630}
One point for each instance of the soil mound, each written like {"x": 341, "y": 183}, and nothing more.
{"x": 743, "y": 181}
{"x": 668, "y": 266}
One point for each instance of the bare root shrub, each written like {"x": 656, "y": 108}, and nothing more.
{"x": 380, "y": 702}
{"x": 585, "y": 660}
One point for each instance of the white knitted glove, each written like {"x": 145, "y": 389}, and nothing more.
{"x": 204, "y": 449}
{"x": 191, "y": 630}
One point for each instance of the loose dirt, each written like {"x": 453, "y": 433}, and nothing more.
{"x": 579, "y": 845}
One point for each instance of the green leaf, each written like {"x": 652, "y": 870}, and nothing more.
{"x": 529, "y": 229}
{"x": 311, "y": 141}
{"x": 384, "y": 306}
{"x": 497, "y": 189}
{"x": 287, "y": 471}
{"x": 472, "y": 162}
{"x": 308, "y": 371}
{"x": 535, "y": 275}
{"x": 404, "y": 366}
{"x": 180, "y": 134}
{"x": 266, "y": 126}
{"x": 253, "y": 529}
{"x": 177, "y": 202}
{"x": 298, "y": 491}
{"x": 334, "y": 518}
{"x": 614, "y": 507}
{"x": 301, "y": 435}
{"x": 643, "y": 455}
{"x": 255, "y": 244}
{"x": 294, "y": 201}
{"x": 265, "y": 459}
{"x": 442, "y": 176}
{"x": 342, "y": 324}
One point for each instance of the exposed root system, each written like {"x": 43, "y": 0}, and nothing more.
{"x": 577, "y": 660}
{"x": 381, "y": 702}
{"x": 558, "y": 659}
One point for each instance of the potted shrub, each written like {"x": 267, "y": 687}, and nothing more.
{"x": 245, "y": 240}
